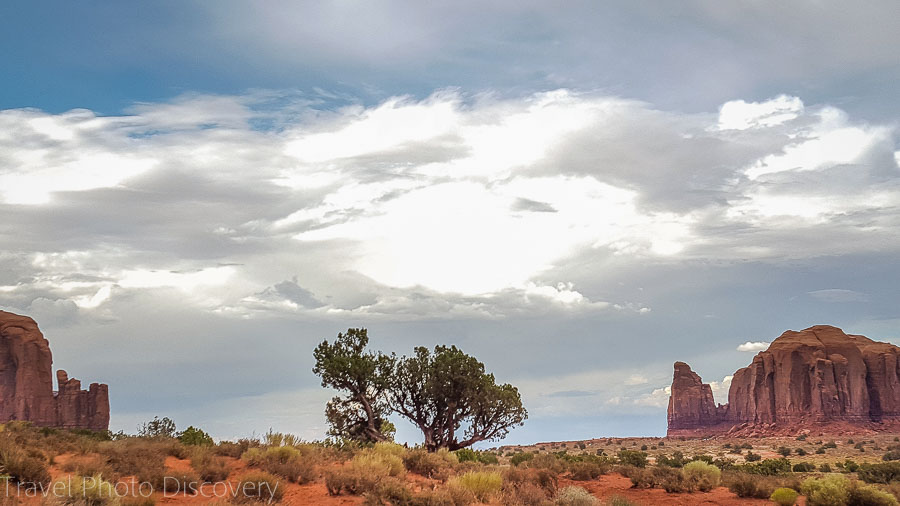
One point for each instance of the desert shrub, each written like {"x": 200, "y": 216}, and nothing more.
{"x": 210, "y": 467}
{"x": 801, "y": 452}
{"x": 820, "y": 451}
{"x": 157, "y": 428}
{"x": 259, "y": 486}
{"x": 676, "y": 460}
{"x": 832, "y": 490}
{"x": 752, "y": 457}
{"x": 28, "y": 469}
{"x": 85, "y": 491}
{"x": 87, "y": 465}
{"x": 543, "y": 478}
{"x": 436, "y": 465}
{"x": 193, "y": 436}
{"x": 831, "y": 444}
{"x": 784, "y": 451}
{"x": 699, "y": 475}
{"x": 382, "y": 463}
{"x": 666, "y": 478}
{"x": 548, "y": 461}
{"x": 469, "y": 455}
{"x": 483, "y": 484}
{"x": 802, "y": 437}
{"x": 850, "y": 466}
{"x": 523, "y": 494}
{"x": 230, "y": 449}
{"x": 585, "y": 471}
{"x": 825, "y": 467}
{"x": 136, "y": 457}
{"x": 519, "y": 458}
{"x": 184, "y": 482}
{"x": 285, "y": 461}
{"x": 784, "y": 496}
{"x": 139, "y": 501}
{"x": 768, "y": 467}
{"x": 803, "y": 467}
{"x": 891, "y": 455}
{"x": 757, "y": 486}
{"x": 885, "y": 472}
{"x": 441, "y": 497}
{"x": 575, "y": 496}
{"x": 389, "y": 492}
{"x": 632, "y": 458}
{"x": 869, "y": 495}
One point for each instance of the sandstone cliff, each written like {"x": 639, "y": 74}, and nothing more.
{"x": 26, "y": 382}
{"x": 814, "y": 377}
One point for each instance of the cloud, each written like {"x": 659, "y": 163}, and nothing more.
{"x": 740, "y": 115}
{"x": 720, "y": 389}
{"x": 536, "y": 230}
{"x": 753, "y": 346}
{"x": 838, "y": 295}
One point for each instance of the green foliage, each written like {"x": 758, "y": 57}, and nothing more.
{"x": 441, "y": 392}
{"x": 803, "y": 467}
{"x": 784, "y": 451}
{"x": 784, "y": 496}
{"x": 157, "y": 428}
{"x": 193, "y": 436}
{"x": 768, "y": 467}
{"x": 891, "y": 455}
{"x": 519, "y": 458}
{"x": 575, "y": 496}
{"x": 868, "y": 495}
{"x": 752, "y": 457}
{"x": 365, "y": 376}
{"x": 436, "y": 465}
{"x": 285, "y": 461}
{"x": 483, "y": 484}
{"x": 884, "y": 472}
{"x": 632, "y": 458}
{"x": 469, "y": 455}
{"x": 699, "y": 475}
{"x": 832, "y": 490}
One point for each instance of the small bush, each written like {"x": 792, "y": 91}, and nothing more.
{"x": 575, "y": 496}
{"x": 632, "y": 458}
{"x": 436, "y": 465}
{"x": 832, "y": 490}
{"x": 260, "y": 486}
{"x": 469, "y": 455}
{"x": 483, "y": 484}
{"x": 701, "y": 476}
{"x": 825, "y": 468}
{"x": 285, "y": 461}
{"x": 185, "y": 483}
{"x": 868, "y": 495}
{"x": 519, "y": 458}
{"x": 757, "y": 486}
{"x": 891, "y": 455}
{"x": 28, "y": 470}
{"x": 784, "y": 451}
{"x": 586, "y": 471}
{"x": 885, "y": 472}
{"x": 548, "y": 461}
{"x": 784, "y": 496}
{"x": 193, "y": 436}
{"x": 85, "y": 490}
{"x": 210, "y": 467}
{"x": 803, "y": 467}
{"x": 617, "y": 500}
{"x": 768, "y": 467}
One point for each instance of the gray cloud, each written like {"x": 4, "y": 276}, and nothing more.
{"x": 573, "y": 263}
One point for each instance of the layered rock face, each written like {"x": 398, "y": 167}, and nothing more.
{"x": 813, "y": 377}
{"x": 26, "y": 382}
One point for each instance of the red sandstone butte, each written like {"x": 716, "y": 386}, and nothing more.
{"x": 26, "y": 382}
{"x": 816, "y": 378}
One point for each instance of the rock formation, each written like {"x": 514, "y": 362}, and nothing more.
{"x": 813, "y": 378}
{"x": 26, "y": 382}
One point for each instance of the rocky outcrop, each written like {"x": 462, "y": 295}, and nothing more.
{"x": 26, "y": 382}
{"x": 811, "y": 378}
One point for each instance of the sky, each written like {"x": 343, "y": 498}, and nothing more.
{"x": 195, "y": 194}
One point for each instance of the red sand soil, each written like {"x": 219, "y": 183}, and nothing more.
{"x": 615, "y": 484}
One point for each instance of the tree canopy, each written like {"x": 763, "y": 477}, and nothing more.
{"x": 345, "y": 365}
{"x": 446, "y": 394}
